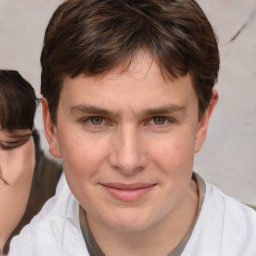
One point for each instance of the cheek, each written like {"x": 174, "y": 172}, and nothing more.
{"x": 174, "y": 158}
{"x": 83, "y": 162}
{"x": 19, "y": 164}
{"x": 175, "y": 151}
{"x": 82, "y": 156}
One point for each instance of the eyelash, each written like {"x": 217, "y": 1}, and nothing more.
{"x": 167, "y": 120}
{"x": 88, "y": 121}
{"x": 108, "y": 122}
{"x": 13, "y": 144}
{"x": 10, "y": 145}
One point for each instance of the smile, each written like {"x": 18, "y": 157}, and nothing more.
{"x": 128, "y": 192}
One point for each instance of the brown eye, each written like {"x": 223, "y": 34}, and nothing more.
{"x": 158, "y": 120}
{"x": 96, "y": 120}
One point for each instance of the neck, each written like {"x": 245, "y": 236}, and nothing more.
{"x": 160, "y": 239}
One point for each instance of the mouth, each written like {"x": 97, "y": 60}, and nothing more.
{"x": 128, "y": 192}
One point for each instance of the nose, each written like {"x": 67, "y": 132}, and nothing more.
{"x": 128, "y": 154}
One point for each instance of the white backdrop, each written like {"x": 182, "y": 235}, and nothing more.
{"x": 228, "y": 157}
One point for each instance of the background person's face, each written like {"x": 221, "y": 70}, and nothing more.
{"x": 17, "y": 161}
{"x": 127, "y": 141}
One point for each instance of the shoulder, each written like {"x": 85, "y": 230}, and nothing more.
{"x": 46, "y": 176}
{"x": 55, "y": 230}
{"x": 225, "y": 227}
{"x": 220, "y": 203}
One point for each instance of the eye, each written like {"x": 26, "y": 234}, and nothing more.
{"x": 14, "y": 144}
{"x": 10, "y": 145}
{"x": 159, "y": 120}
{"x": 96, "y": 120}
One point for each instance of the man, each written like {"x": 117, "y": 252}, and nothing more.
{"x": 128, "y": 94}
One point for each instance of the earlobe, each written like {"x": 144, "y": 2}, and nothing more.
{"x": 203, "y": 124}
{"x": 50, "y": 130}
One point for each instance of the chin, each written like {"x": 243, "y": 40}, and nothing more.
{"x": 130, "y": 220}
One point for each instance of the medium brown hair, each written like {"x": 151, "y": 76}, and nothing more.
{"x": 92, "y": 37}
{"x": 17, "y": 101}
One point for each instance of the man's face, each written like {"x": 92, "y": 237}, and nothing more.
{"x": 127, "y": 141}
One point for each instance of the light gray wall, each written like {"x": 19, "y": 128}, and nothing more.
{"x": 229, "y": 154}
{"x": 228, "y": 157}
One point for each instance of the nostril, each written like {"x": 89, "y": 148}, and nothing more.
{"x": 128, "y": 167}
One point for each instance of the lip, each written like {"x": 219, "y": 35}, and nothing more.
{"x": 128, "y": 192}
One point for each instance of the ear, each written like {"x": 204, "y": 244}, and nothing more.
{"x": 50, "y": 130}
{"x": 203, "y": 123}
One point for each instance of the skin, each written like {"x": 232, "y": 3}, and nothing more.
{"x": 120, "y": 133}
{"x": 17, "y": 161}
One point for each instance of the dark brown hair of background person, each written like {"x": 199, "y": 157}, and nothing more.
{"x": 82, "y": 39}
{"x": 17, "y": 101}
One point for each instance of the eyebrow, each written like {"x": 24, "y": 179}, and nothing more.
{"x": 169, "y": 109}
{"x": 86, "y": 109}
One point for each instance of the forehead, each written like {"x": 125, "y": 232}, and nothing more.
{"x": 142, "y": 83}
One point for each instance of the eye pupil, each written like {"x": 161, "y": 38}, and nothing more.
{"x": 159, "y": 120}
{"x": 96, "y": 120}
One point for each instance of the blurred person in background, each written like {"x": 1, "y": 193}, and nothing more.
{"x": 27, "y": 177}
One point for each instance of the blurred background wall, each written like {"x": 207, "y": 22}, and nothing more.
{"x": 228, "y": 157}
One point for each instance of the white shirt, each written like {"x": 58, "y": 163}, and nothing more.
{"x": 224, "y": 228}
